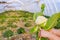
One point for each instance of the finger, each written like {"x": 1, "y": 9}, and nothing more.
{"x": 55, "y": 31}
{"x": 44, "y": 33}
{"x": 50, "y": 39}
{"x": 48, "y": 35}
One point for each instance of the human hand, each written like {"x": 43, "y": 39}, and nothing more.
{"x": 53, "y": 34}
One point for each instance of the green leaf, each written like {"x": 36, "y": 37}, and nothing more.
{"x": 42, "y": 7}
{"x": 44, "y": 38}
{"x": 2, "y": 20}
{"x": 42, "y": 25}
{"x": 58, "y": 24}
{"x": 39, "y": 13}
{"x": 34, "y": 29}
{"x": 28, "y": 24}
{"x": 8, "y": 33}
{"x": 46, "y": 16}
{"x": 20, "y": 30}
{"x": 52, "y": 21}
{"x": 34, "y": 16}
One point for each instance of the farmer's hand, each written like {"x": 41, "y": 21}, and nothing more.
{"x": 53, "y": 34}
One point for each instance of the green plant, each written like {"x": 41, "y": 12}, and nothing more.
{"x": 20, "y": 30}
{"x": 42, "y": 7}
{"x": 44, "y": 38}
{"x": 12, "y": 25}
{"x": 36, "y": 28}
{"x": 24, "y": 19}
{"x": 2, "y": 20}
{"x": 2, "y": 28}
{"x": 46, "y": 16}
{"x": 58, "y": 24}
{"x": 39, "y": 13}
{"x": 28, "y": 24}
{"x": 9, "y": 24}
{"x": 8, "y": 34}
{"x": 51, "y": 22}
{"x": 2, "y": 15}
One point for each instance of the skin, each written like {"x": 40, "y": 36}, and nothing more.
{"x": 53, "y": 34}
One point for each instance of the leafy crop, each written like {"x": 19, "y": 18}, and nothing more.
{"x": 28, "y": 24}
{"x": 8, "y": 34}
{"x": 20, "y": 30}
{"x": 36, "y": 29}
{"x": 2, "y": 28}
{"x": 51, "y": 22}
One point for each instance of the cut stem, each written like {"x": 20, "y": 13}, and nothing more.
{"x": 37, "y": 37}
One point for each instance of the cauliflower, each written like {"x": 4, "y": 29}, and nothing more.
{"x": 40, "y": 20}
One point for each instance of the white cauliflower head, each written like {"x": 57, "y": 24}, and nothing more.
{"x": 40, "y": 20}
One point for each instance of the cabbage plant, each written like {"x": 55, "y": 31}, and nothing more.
{"x": 49, "y": 24}
{"x": 8, "y": 34}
